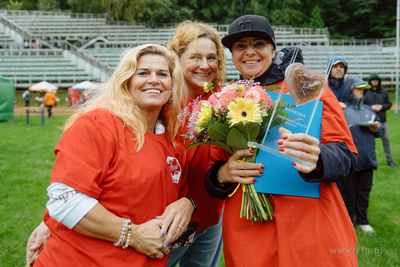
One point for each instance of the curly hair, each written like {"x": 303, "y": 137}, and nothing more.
{"x": 189, "y": 31}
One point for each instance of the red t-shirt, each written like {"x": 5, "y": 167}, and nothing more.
{"x": 97, "y": 156}
{"x": 306, "y": 231}
{"x": 208, "y": 208}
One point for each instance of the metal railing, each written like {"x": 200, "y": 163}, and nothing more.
{"x": 61, "y": 44}
{"x": 80, "y": 53}
{"x": 54, "y": 13}
{"x": 387, "y": 42}
{"x": 13, "y": 26}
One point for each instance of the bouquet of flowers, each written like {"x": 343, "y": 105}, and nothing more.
{"x": 238, "y": 113}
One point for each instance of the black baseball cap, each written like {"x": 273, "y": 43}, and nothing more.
{"x": 249, "y": 26}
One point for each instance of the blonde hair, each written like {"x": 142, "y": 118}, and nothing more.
{"x": 115, "y": 95}
{"x": 189, "y": 31}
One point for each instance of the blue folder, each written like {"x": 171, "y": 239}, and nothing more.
{"x": 280, "y": 177}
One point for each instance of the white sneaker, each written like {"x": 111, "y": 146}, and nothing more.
{"x": 366, "y": 228}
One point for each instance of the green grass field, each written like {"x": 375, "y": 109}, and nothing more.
{"x": 26, "y": 160}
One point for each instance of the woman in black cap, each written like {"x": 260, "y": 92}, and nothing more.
{"x": 305, "y": 231}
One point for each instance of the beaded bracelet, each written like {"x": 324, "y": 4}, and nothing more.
{"x": 122, "y": 237}
{"x": 129, "y": 235}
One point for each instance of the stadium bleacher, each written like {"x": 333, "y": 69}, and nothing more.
{"x": 99, "y": 43}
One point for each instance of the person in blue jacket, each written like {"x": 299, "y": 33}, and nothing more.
{"x": 364, "y": 125}
{"x": 336, "y": 77}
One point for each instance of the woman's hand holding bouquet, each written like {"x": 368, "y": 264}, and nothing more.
{"x": 238, "y": 113}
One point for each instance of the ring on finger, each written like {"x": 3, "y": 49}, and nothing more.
{"x": 160, "y": 256}
{"x": 180, "y": 228}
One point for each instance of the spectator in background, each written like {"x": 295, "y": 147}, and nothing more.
{"x": 83, "y": 97}
{"x": 336, "y": 78}
{"x": 50, "y": 100}
{"x": 26, "y": 44}
{"x": 355, "y": 190}
{"x": 26, "y": 96}
{"x": 378, "y": 99}
{"x": 34, "y": 45}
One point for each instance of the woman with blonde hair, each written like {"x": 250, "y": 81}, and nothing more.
{"x": 202, "y": 59}
{"x": 118, "y": 166}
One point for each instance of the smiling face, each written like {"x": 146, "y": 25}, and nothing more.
{"x": 199, "y": 64}
{"x": 150, "y": 85}
{"x": 252, "y": 56}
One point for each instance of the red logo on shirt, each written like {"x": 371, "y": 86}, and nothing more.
{"x": 175, "y": 169}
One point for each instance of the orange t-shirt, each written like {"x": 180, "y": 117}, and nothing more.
{"x": 306, "y": 231}
{"x": 50, "y": 99}
{"x": 208, "y": 208}
{"x": 97, "y": 156}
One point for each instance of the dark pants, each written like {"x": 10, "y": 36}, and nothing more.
{"x": 49, "y": 110}
{"x": 27, "y": 103}
{"x": 386, "y": 144}
{"x": 355, "y": 191}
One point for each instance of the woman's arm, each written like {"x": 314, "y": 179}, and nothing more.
{"x": 100, "y": 223}
{"x": 331, "y": 162}
{"x": 336, "y": 162}
{"x": 174, "y": 220}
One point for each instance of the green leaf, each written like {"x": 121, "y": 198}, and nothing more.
{"x": 271, "y": 88}
{"x": 236, "y": 139}
{"x": 278, "y": 121}
{"x": 250, "y": 129}
{"x": 212, "y": 143}
{"x": 218, "y": 132}
{"x": 281, "y": 104}
{"x": 186, "y": 135}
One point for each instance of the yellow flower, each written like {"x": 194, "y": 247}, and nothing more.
{"x": 244, "y": 111}
{"x": 208, "y": 87}
{"x": 203, "y": 117}
{"x": 240, "y": 88}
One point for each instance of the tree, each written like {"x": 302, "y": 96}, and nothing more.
{"x": 115, "y": 8}
{"x": 87, "y": 6}
{"x": 153, "y": 12}
{"x": 316, "y": 20}
{"x": 48, "y": 5}
{"x": 14, "y": 5}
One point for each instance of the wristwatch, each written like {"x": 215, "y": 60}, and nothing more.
{"x": 194, "y": 205}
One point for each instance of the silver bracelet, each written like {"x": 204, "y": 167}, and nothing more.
{"x": 129, "y": 235}
{"x": 122, "y": 237}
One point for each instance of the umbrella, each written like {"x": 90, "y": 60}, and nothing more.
{"x": 42, "y": 87}
{"x": 85, "y": 86}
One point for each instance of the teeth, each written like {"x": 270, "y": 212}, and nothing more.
{"x": 153, "y": 91}
{"x": 251, "y": 62}
{"x": 201, "y": 74}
